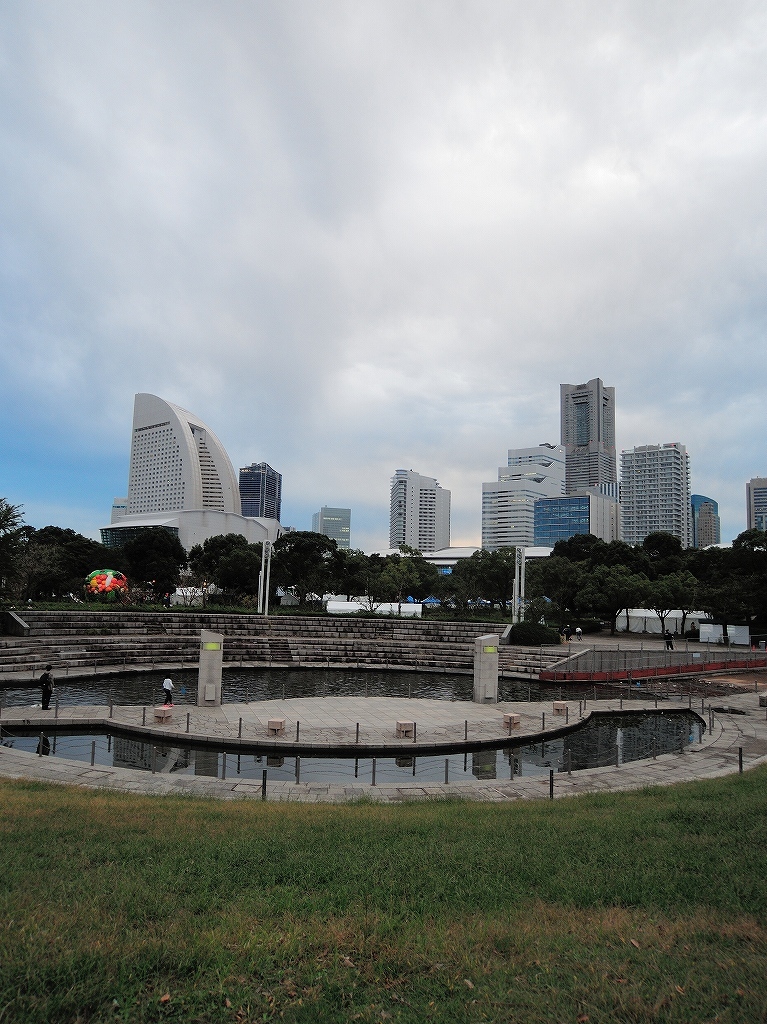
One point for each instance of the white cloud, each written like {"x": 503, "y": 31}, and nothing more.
{"x": 356, "y": 237}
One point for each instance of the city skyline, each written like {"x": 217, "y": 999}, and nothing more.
{"x": 355, "y": 241}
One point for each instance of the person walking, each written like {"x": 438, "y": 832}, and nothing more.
{"x": 167, "y": 689}
{"x": 46, "y": 683}
{"x": 578, "y": 633}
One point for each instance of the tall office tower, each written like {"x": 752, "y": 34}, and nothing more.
{"x": 587, "y": 413}
{"x": 508, "y": 504}
{"x": 706, "y": 529}
{"x": 261, "y": 491}
{"x": 419, "y": 513}
{"x": 655, "y": 492}
{"x": 756, "y": 503}
{"x": 176, "y": 462}
{"x": 335, "y": 523}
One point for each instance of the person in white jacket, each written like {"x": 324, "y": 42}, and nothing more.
{"x": 168, "y": 688}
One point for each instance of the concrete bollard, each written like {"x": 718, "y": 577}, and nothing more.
{"x": 298, "y": 730}
{"x": 447, "y": 766}
{"x": 187, "y": 721}
{"x": 263, "y": 785}
{"x": 357, "y": 737}
{"x": 93, "y": 753}
{"x": 374, "y": 773}
{"x": 239, "y": 730}
{"x": 551, "y": 783}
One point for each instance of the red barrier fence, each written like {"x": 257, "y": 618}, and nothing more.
{"x": 695, "y": 668}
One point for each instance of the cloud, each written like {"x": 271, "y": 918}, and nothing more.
{"x": 356, "y": 237}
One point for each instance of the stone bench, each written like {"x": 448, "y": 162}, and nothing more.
{"x": 405, "y": 730}
{"x": 560, "y": 707}
{"x": 163, "y": 713}
{"x": 276, "y": 726}
{"x": 512, "y": 721}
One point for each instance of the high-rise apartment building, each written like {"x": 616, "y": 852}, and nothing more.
{"x": 756, "y": 503}
{"x": 419, "y": 514}
{"x": 261, "y": 491}
{"x": 335, "y": 523}
{"x": 706, "y": 529}
{"x": 508, "y": 504}
{"x": 587, "y": 414}
{"x": 655, "y": 492}
{"x": 180, "y": 479}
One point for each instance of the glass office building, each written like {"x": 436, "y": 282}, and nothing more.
{"x": 560, "y": 518}
{"x": 261, "y": 491}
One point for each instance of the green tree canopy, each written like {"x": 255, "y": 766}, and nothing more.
{"x": 155, "y": 558}
{"x": 304, "y": 562}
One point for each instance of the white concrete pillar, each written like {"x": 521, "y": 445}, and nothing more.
{"x": 211, "y": 669}
{"x": 486, "y": 669}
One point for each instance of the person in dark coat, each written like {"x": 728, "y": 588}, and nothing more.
{"x": 46, "y": 683}
{"x": 669, "y": 640}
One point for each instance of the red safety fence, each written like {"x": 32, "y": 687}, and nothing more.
{"x": 650, "y": 673}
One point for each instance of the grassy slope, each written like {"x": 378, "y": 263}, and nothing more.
{"x": 635, "y": 907}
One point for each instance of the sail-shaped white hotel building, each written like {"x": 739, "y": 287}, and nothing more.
{"x": 180, "y": 478}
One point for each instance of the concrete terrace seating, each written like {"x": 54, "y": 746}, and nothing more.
{"x": 84, "y": 641}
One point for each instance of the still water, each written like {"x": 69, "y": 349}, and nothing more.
{"x": 598, "y": 742}
{"x": 249, "y": 684}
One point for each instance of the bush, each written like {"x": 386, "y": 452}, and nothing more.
{"x": 532, "y": 634}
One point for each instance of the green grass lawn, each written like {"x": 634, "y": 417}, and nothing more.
{"x": 648, "y": 906}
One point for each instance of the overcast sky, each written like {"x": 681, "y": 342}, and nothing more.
{"x": 362, "y": 236}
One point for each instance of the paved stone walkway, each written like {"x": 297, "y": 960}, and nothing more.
{"x": 330, "y": 723}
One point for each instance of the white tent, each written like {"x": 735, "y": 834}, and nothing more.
{"x": 644, "y": 620}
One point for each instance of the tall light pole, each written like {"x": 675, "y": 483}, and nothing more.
{"x": 263, "y": 579}
{"x": 519, "y": 585}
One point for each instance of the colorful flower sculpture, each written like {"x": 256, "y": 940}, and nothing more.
{"x": 106, "y": 581}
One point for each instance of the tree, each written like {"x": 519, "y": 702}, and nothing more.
{"x": 11, "y": 522}
{"x": 664, "y": 552}
{"x": 613, "y": 589}
{"x": 239, "y": 571}
{"x": 57, "y": 561}
{"x": 677, "y": 590}
{"x": 155, "y": 557}
{"x": 459, "y": 588}
{"x": 303, "y": 562}
{"x": 351, "y": 573}
{"x": 495, "y": 574}
{"x": 559, "y": 580}
{"x": 409, "y": 575}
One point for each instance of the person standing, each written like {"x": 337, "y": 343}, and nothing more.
{"x": 669, "y": 640}
{"x": 168, "y": 688}
{"x": 46, "y": 683}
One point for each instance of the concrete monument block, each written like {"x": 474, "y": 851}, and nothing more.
{"x": 486, "y": 669}
{"x": 560, "y": 707}
{"x": 276, "y": 727}
{"x": 211, "y": 669}
{"x": 163, "y": 714}
{"x": 512, "y": 721}
{"x": 404, "y": 730}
